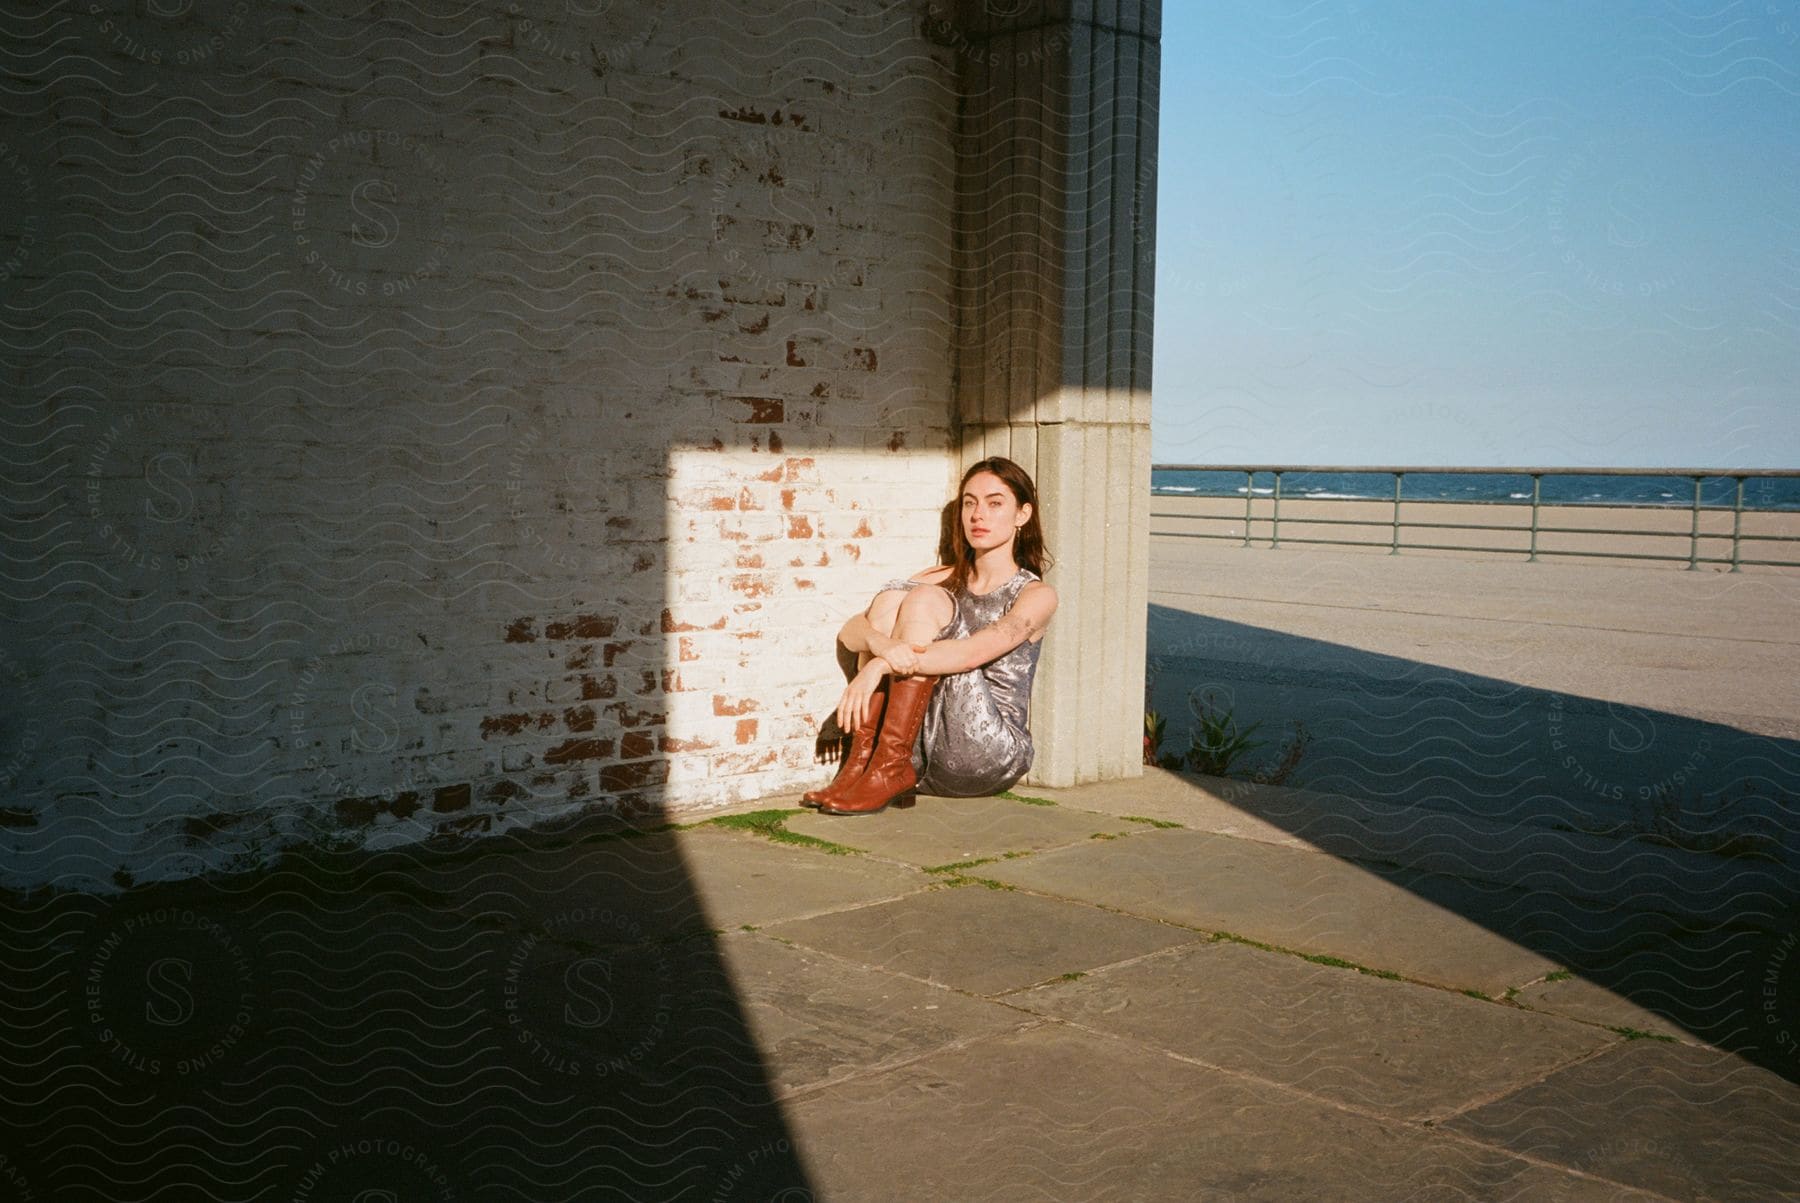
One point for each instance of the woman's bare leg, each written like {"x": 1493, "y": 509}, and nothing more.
{"x": 915, "y": 615}
{"x": 926, "y": 611}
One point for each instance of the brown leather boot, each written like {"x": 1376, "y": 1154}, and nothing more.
{"x": 862, "y": 745}
{"x": 889, "y": 780}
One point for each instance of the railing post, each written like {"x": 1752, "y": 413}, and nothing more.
{"x": 1694, "y": 539}
{"x": 1395, "y": 549}
{"x": 1536, "y": 481}
{"x": 1737, "y": 522}
{"x": 1275, "y": 525}
{"x": 1249, "y": 496}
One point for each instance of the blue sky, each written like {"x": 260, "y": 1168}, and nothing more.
{"x": 1527, "y": 233}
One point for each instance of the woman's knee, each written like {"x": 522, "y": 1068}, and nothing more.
{"x": 884, "y": 611}
{"x": 927, "y": 605}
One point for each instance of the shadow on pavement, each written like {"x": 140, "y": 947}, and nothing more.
{"x": 534, "y": 1017}
{"x": 1652, "y": 853}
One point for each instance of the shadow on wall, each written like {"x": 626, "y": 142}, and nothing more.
{"x": 1655, "y": 855}
{"x": 425, "y": 427}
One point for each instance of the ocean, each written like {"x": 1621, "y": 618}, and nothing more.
{"x": 1760, "y": 493}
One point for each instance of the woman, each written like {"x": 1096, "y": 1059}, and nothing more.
{"x": 940, "y": 700}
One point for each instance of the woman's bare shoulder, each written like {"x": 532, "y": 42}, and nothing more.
{"x": 1043, "y": 591}
{"x": 935, "y": 575}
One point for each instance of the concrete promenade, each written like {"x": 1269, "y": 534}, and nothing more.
{"x": 1176, "y": 988}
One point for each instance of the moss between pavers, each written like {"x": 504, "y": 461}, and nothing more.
{"x": 1639, "y": 1034}
{"x": 953, "y": 866}
{"x": 1151, "y": 822}
{"x": 1314, "y": 957}
{"x": 771, "y": 824}
{"x": 1025, "y": 798}
{"x": 958, "y": 880}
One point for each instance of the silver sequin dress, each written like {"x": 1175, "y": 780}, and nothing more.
{"x": 974, "y": 740}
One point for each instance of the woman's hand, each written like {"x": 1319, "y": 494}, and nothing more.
{"x": 903, "y": 658}
{"x": 853, "y": 706}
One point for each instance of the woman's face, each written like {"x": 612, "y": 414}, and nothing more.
{"x": 991, "y": 515}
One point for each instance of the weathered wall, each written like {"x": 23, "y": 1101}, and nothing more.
{"x": 418, "y": 425}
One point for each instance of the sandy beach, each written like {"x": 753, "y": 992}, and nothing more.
{"x": 1664, "y": 532}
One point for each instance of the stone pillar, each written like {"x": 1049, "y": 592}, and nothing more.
{"x": 1055, "y": 278}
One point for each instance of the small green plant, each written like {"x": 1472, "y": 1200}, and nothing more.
{"x": 1696, "y": 824}
{"x": 1155, "y": 727}
{"x": 1218, "y": 743}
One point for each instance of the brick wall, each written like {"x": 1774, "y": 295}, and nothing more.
{"x": 428, "y": 427}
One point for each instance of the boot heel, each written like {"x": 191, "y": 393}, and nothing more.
{"x": 904, "y": 800}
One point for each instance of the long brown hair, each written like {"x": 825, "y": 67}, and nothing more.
{"x": 1028, "y": 544}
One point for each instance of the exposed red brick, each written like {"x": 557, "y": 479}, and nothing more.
{"x": 762, "y": 407}
{"x": 793, "y": 355}
{"x": 582, "y": 626}
{"x": 502, "y": 792}
{"x": 862, "y": 530}
{"x": 725, "y": 707}
{"x": 619, "y": 522}
{"x": 521, "y": 631}
{"x": 669, "y": 745}
{"x": 615, "y": 777}
{"x": 404, "y": 804}
{"x": 504, "y": 724}
{"x": 571, "y": 750}
{"x": 615, "y": 650}
{"x": 750, "y": 585}
{"x": 711, "y": 315}
{"x": 853, "y": 551}
{"x": 581, "y": 657}
{"x": 747, "y": 500}
{"x": 628, "y": 717}
{"x": 775, "y": 443}
{"x": 579, "y": 718}
{"x": 749, "y": 559}
{"x": 800, "y": 527}
{"x": 604, "y": 687}
{"x": 821, "y": 389}
{"x": 467, "y": 825}
{"x": 644, "y": 562}
{"x": 746, "y": 114}
{"x": 635, "y": 745}
{"x": 746, "y": 730}
{"x": 898, "y": 441}
{"x": 787, "y": 498}
{"x": 726, "y": 764}
{"x": 796, "y": 465}
{"x": 863, "y": 357}
{"x": 689, "y": 652}
{"x": 672, "y": 626}
{"x": 759, "y": 326}
{"x": 449, "y": 798}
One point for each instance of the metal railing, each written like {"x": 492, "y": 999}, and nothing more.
{"x": 1535, "y": 505}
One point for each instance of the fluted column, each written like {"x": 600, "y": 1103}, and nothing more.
{"x": 1055, "y": 274}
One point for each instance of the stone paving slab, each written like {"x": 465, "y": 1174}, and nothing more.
{"x": 982, "y": 940}
{"x": 942, "y": 831}
{"x": 1281, "y": 896}
{"x": 817, "y": 1019}
{"x": 1615, "y": 872}
{"x": 1687, "y": 1122}
{"x": 1578, "y": 998}
{"x": 1052, "y": 1113}
{"x": 670, "y": 883}
{"x": 1405, "y": 1050}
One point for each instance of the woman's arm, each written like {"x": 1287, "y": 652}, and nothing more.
{"x": 1029, "y": 617}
